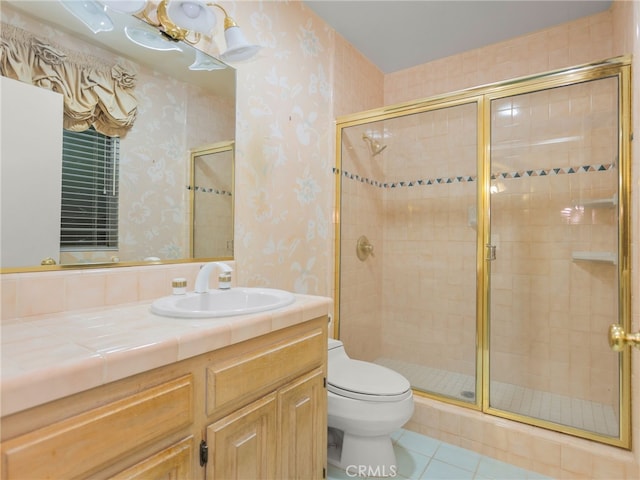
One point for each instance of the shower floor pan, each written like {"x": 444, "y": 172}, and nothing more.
{"x": 591, "y": 416}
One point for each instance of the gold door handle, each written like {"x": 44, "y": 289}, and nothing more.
{"x": 618, "y": 338}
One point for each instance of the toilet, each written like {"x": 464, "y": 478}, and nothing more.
{"x": 366, "y": 404}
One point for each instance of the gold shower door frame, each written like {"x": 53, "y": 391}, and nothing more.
{"x": 198, "y": 156}
{"x": 618, "y": 68}
{"x": 609, "y": 70}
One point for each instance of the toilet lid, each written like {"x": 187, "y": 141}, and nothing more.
{"x": 355, "y": 379}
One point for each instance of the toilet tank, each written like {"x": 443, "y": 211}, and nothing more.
{"x": 336, "y": 352}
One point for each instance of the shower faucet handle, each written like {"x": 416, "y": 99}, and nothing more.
{"x": 618, "y": 338}
{"x": 364, "y": 248}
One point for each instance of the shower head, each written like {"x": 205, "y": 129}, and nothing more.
{"x": 374, "y": 146}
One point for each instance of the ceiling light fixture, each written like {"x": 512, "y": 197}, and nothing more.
{"x": 150, "y": 38}
{"x": 205, "y": 62}
{"x": 177, "y": 20}
{"x": 180, "y": 18}
{"x": 91, "y": 13}
{"x": 126, "y": 6}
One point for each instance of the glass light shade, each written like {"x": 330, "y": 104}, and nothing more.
{"x": 150, "y": 38}
{"x": 238, "y": 47}
{"x": 193, "y": 15}
{"x": 126, "y": 6}
{"x": 90, "y": 13}
{"x": 206, "y": 62}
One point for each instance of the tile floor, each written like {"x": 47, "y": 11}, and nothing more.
{"x": 424, "y": 458}
{"x": 583, "y": 414}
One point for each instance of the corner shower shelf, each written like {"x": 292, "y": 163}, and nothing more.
{"x": 603, "y": 257}
{"x": 600, "y": 202}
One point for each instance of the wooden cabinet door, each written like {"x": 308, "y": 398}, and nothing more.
{"x": 302, "y": 430}
{"x": 173, "y": 462}
{"x": 242, "y": 445}
{"x": 91, "y": 441}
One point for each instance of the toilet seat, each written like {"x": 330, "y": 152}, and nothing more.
{"x": 366, "y": 381}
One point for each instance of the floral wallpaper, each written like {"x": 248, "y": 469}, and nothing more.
{"x": 283, "y": 200}
{"x": 155, "y": 166}
{"x": 285, "y": 138}
{"x": 285, "y": 147}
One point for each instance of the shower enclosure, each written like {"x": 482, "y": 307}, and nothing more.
{"x": 482, "y": 248}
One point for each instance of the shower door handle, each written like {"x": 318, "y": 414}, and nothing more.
{"x": 618, "y": 338}
{"x": 491, "y": 252}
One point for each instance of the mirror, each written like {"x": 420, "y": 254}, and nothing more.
{"x": 211, "y": 189}
{"x": 179, "y": 110}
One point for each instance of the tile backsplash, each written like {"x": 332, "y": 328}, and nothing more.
{"x": 28, "y": 294}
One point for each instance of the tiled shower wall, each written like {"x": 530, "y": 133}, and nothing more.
{"x": 361, "y": 281}
{"x": 553, "y": 152}
{"x": 430, "y": 239}
{"x": 550, "y": 314}
{"x": 600, "y": 36}
{"x": 416, "y": 201}
{"x": 213, "y": 205}
{"x": 411, "y": 201}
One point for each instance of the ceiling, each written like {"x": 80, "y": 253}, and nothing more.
{"x": 395, "y": 35}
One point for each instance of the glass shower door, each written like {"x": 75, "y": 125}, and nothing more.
{"x": 430, "y": 244}
{"x": 554, "y": 279}
{"x": 409, "y": 188}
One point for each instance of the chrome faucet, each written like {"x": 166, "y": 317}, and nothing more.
{"x": 202, "y": 280}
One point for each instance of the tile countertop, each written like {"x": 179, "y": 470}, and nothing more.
{"x": 48, "y": 357}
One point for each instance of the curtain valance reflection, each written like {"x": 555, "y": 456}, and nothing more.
{"x": 95, "y": 94}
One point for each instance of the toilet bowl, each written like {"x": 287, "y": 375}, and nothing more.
{"x": 366, "y": 404}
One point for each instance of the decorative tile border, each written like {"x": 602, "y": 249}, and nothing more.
{"x": 473, "y": 178}
{"x": 555, "y": 171}
{"x": 209, "y": 190}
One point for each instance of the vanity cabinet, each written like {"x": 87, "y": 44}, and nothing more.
{"x": 292, "y": 419}
{"x": 171, "y": 462}
{"x": 302, "y": 427}
{"x": 255, "y": 409}
{"x": 81, "y": 444}
{"x": 242, "y": 443}
{"x": 282, "y": 395}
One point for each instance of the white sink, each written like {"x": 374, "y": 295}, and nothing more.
{"x": 222, "y": 303}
